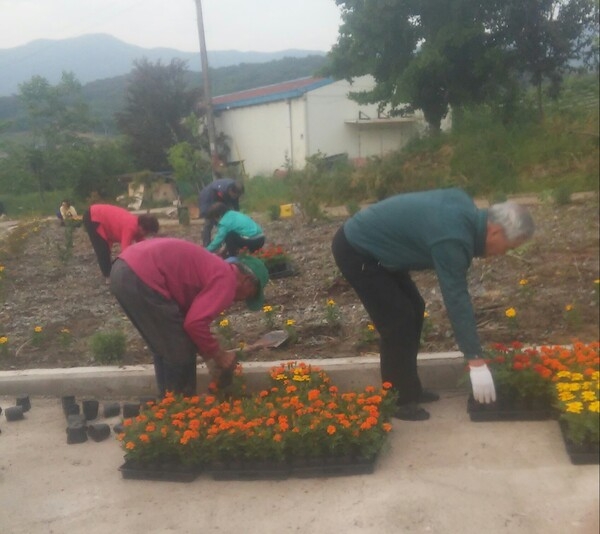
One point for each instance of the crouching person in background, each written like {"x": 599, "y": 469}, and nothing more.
{"x": 235, "y": 231}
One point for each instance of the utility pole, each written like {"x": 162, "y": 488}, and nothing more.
{"x": 210, "y": 121}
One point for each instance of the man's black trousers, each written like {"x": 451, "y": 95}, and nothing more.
{"x": 396, "y": 308}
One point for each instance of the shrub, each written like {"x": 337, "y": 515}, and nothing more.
{"x": 562, "y": 195}
{"x": 108, "y": 347}
{"x": 352, "y": 207}
{"x": 274, "y": 211}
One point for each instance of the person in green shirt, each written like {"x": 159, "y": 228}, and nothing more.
{"x": 442, "y": 230}
{"x": 235, "y": 231}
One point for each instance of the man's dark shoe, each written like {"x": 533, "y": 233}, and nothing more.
{"x": 410, "y": 412}
{"x": 428, "y": 396}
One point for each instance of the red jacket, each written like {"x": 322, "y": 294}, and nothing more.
{"x": 202, "y": 284}
{"x": 117, "y": 225}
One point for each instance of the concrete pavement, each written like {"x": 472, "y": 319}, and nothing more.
{"x": 445, "y": 475}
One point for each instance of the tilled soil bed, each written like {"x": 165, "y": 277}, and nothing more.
{"x": 41, "y": 286}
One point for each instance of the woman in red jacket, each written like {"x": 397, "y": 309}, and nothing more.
{"x": 107, "y": 224}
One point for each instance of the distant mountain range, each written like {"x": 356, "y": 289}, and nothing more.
{"x": 99, "y": 56}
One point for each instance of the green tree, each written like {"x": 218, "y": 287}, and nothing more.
{"x": 433, "y": 54}
{"x": 157, "y": 99}
{"x": 542, "y": 38}
{"x": 430, "y": 54}
{"x": 56, "y": 114}
{"x": 57, "y": 117}
{"x": 190, "y": 160}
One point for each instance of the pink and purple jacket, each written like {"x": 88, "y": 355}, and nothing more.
{"x": 202, "y": 284}
{"x": 117, "y": 225}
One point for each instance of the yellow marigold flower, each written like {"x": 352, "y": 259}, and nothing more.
{"x": 65, "y": 331}
{"x": 1, "y": 268}
{"x": 574, "y": 407}
{"x": 425, "y": 315}
{"x": 38, "y": 329}
{"x": 565, "y": 396}
{"x": 569, "y": 307}
{"x": 330, "y": 302}
{"x": 510, "y": 313}
{"x": 267, "y": 309}
{"x": 588, "y": 396}
{"x": 3, "y": 340}
{"x": 562, "y": 386}
{"x": 523, "y": 282}
{"x": 597, "y": 281}
{"x": 223, "y": 323}
{"x": 371, "y": 327}
{"x": 577, "y": 377}
{"x": 290, "y": 322}
{"x": 564, "y": 374}
{"x": 594, "y": 407}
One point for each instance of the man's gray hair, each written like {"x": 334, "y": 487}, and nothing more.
{"x": 515, "y": 220}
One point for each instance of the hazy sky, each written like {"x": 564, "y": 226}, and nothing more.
{"x": 257, "y": 25}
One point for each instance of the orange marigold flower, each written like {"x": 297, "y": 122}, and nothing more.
{"x": 313, "y": 394}
{"x": 130, "y": 445}
{"x": 331, "y": 429}
{"x": 386, "y": 385}
{"x": 144, "y": 438}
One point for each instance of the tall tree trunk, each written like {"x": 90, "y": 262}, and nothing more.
{"x": 540, "y": 106}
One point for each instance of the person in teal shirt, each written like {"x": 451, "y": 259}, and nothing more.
{"x": 442, "y": 230}
{"x": 235, "y": 231}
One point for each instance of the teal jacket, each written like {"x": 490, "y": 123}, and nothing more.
{"x": 234, "y": 221}
{"x": 441, "y": 230}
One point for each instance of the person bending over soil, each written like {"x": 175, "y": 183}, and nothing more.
{"x": 106, "y": 224}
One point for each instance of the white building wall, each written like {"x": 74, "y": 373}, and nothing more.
{"x": 267, "y": 136}
{"x": 328, "y": 108}
{"x": 258, "y": 135}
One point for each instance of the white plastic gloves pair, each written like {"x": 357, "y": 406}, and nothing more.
{"x": 483, "y": 384}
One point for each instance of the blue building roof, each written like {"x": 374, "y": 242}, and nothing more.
{"x": 269, "y": 93}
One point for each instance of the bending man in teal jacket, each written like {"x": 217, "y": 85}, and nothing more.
{"x": 443, "y": 230}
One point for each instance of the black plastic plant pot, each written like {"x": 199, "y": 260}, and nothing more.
{"x": 175, "y": 473}
{"x": 66, "y": 401}
{"x": 24, "y": 402}
{"x": 131, "y": 409}
{"x": 76, "y": 433}
{"x": 502, "y": 411}
{"x": 90, "y": 408}
{"x": 98, "y": 431}
{"x": 111, "y": 409}
{"x": 118, "y": 428}
{"x": 14, "y": 413}
{"x": 72, "y": 409}
{"x": 76, "y": 419}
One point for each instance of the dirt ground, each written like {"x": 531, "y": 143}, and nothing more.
{"x": 39, "y": 287}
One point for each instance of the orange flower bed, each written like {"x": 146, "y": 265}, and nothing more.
{"x": 301, "y": 415}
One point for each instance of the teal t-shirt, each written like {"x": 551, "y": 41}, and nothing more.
{"x": 441, "y": 230}
{"x": 234, "y": 221}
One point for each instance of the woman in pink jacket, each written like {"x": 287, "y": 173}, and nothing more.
{"x": 107, "y": 225}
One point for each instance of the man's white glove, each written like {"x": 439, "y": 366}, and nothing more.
{"x": 483, "y": 383}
